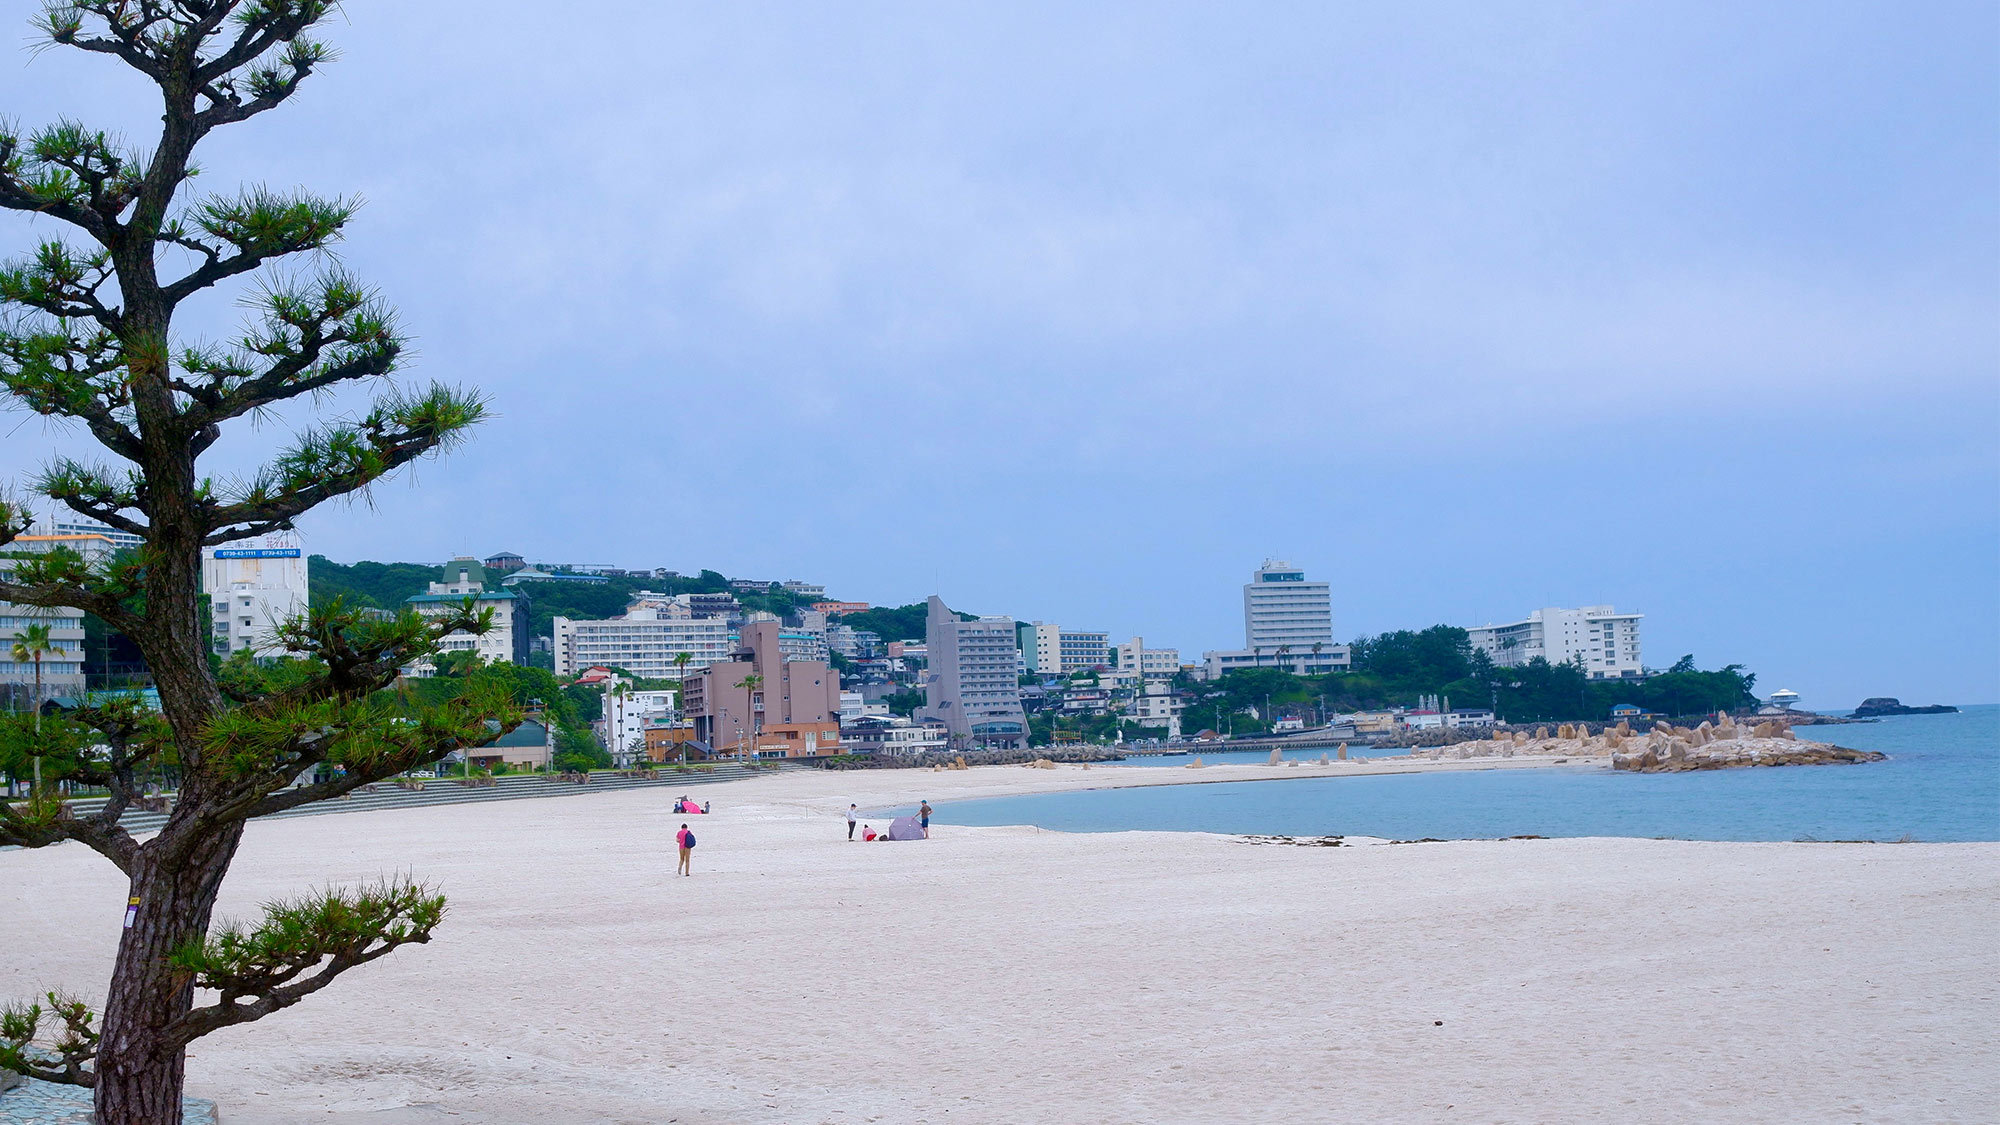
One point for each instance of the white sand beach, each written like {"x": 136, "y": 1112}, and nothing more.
{"x": 1017, "y": 975}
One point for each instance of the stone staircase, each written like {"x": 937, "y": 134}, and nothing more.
{"x": 448, "y": 791}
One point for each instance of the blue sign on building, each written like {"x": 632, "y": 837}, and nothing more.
{"x": 258, "y": 553}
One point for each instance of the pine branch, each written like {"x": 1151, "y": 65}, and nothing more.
{"x": 44, "y": 822}
{"x": 343, "y": 459}
{"x": 63, "y": 579}
{"x": 68, "y": 171}
{"x": 299, "y": 949}
{"x": 65, "y": 374}
{"x": 259, "y": 226}
{"x": 62, "y": 283}
{"x": 309, "y": 340}
{"x": 98, "y": 491}
{"x": 20, "y": 1026}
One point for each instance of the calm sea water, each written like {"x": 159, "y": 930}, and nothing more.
{"x": 1941, "y": 783}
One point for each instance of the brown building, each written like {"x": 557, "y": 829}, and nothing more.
{"x": 794, "y": 712}
{"x": 664, "y": 744}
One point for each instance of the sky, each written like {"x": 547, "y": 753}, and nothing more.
{"x": 1467, "y": 308}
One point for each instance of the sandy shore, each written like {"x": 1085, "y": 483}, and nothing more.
{"x": 1015, "y": 975}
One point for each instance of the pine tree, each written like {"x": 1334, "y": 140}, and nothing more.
{"x": 89, "y": 338}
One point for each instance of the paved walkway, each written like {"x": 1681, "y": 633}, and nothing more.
{"x": 46, "y": 1103}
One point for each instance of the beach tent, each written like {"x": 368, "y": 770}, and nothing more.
{"x": 906, "y": 828}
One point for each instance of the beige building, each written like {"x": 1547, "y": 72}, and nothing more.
{"x": 794, "y": 711}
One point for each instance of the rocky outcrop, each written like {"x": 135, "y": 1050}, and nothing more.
{"x": 1664, "y": 749}
{"x": 1738, "y": 753}
{"x": 1875, "y": 707}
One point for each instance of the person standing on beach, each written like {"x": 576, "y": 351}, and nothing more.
{"x": 685, "y": 840}
{"x": 851, "y": 813}
{"x": 924, "y": 815}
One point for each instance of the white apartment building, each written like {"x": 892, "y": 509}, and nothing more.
{"x": 253, "y": 586}
{"x": 464, "y": 577}
{"x": 1052, "y": 650}
{"x": 971, "y": 683}
{"x": 627, "y": 714}
{"x": 1152, "y": 663}
{"x": 1158, "y": 706}
{"x": 1299, "y": 662}
{"x": 1603, "y": 640}
{"x": 71, "y": 524}
{"x": 894, "y": 735}
{"x": 61, "y": 669}
{"x": 644, "y": 642}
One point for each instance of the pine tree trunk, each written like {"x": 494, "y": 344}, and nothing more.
{"x": 139, "y": 1074}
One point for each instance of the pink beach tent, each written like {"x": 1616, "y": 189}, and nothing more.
{"x": 906, "y": 828}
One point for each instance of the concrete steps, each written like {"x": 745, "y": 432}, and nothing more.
{"x": 447, "y": 791}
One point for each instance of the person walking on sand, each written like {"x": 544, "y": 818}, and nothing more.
{"x": 924, "y": 817}
{"x": 852, "y": 812}
{"x": 685, "y": 839}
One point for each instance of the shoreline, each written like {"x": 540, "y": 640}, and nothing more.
{"x": 1238, "y": 773}
{"x": 1014, "y": 974}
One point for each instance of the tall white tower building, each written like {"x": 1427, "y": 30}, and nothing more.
{"x": 253, "y": 585}
{"x": 1281, "y": 608}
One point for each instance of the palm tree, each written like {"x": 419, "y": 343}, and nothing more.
{"x": 32, "y": 644}
{"x": 1317, "y": 645}
{"x": 681, "y": 660}
{"x": 1283, "y": 652}
{"x": 751, "y": 684}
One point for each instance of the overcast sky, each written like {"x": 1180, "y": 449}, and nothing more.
{"x": 1472, "y": 308}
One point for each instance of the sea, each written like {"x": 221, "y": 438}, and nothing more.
{"x": 1940, "y": 783}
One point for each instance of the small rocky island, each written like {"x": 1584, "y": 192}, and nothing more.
{"x": 1665, "y": 748}
{"x": 1876, "y": 706}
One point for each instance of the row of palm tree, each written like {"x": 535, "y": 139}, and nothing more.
{"x": 32, "y": 644}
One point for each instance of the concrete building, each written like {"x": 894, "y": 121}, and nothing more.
{"x": 537, "y": 574}
{"x": 61, "y": 669}
{"x": 894, "y": 734}
{"x": 1603, "y": 640}
{"x": 1281, "y": 608}
{"x": 722, "y": 605}
{"x": 805, "y": 591}
{"x": 644, "y": 642}
{"x": 505, "y": 643}
{"x": 1157, "y": 705}
{"x": 971, "y": 684}
{"x": 1051, "y": 650}
{"x": 506, "y": 562}
{"x": 253, "y": 586}
{"x": 1287, "y": 623}
{"x": 1306, "y": 662}
{"x": 794, "y": 711}
{"x": 628, "y": 714}
{"x": 1151, "y": 663}
{"x": 72, "y": 524}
